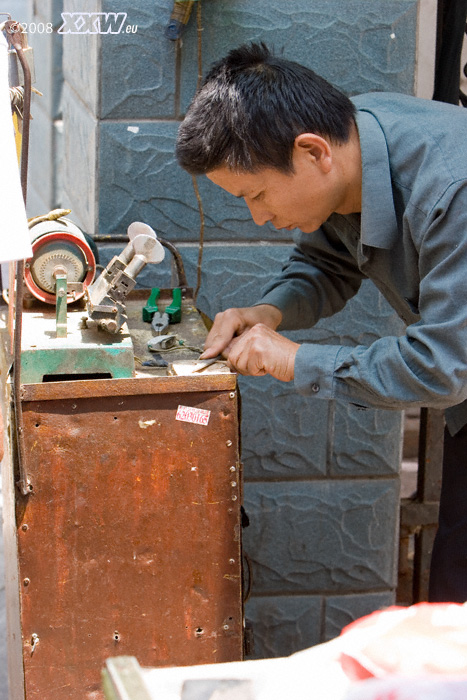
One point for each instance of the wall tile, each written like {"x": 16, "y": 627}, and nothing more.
{"x": 283, "y": 436}
{"x": 40, "y": 167}
{"x": 48, "y": 67}
{"x": 48, "y": 10}
{"x": 234, "y": 275}
{"x": 20, "y": 10}
{"x": 359, "y": 45}
{"x": 342, "y": 610}
{"x": 79, "y": 161}
{"x": 283, "y": 625}
{"x": 58, "y": 162}
{"x": 35, "y": 204}
{"x": 138, "y": 173}
{"x": 321, "y": 537}
{"x": 81, "y": 54}
{"x": 366, "y": 442}
{"x": 138, "y": 178}
{"x": 138, "y": 68}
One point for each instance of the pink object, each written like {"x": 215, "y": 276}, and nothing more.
{"x": 420, "y": 640}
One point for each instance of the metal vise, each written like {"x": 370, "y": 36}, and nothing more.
{"x": 105, "y": 298}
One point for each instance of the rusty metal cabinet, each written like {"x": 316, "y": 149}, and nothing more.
{"x": 129, "y": 542}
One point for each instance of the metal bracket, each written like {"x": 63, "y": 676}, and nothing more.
{"x": 60, "y": 304}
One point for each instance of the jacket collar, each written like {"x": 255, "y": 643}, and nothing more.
{"x": 378, "y": 217}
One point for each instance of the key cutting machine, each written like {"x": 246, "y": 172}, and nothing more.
{"x": 122, "y": 486}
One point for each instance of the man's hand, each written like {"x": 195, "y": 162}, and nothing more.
{"x": 233, "y": 322}
{"x": 261, "y": 350}
{"x": 247, "y": 338}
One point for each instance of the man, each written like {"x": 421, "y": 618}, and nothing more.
{"x": 378, "y": 188}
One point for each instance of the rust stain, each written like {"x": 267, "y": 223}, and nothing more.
{"x": 121, "y": 536}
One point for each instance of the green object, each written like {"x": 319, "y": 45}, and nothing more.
{"x": 60, "y": 305}
{"x": 151, "y": 305}
{"x": 173, "y": 311}
{"x": 82, "y": 352}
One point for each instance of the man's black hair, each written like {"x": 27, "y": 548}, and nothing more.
{"x": 250, "y": 108}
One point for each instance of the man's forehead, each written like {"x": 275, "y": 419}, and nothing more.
{"x": 236, "y": 183}
{"x": 239, "y": 184}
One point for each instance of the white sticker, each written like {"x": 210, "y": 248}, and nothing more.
{"x": 193, "y": 415}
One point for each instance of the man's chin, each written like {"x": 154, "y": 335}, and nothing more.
{"x": 293, "y": 227}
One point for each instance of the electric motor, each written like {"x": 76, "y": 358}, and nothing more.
{"x": 58, "y": 246}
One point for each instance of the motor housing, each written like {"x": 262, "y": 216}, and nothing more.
{"x": 58, "y": 245}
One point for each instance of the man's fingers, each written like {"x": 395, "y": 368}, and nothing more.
{"x": 260, "y": 351}
{"x": 232, "y": 323}
{"x": 226, "y": 325}
{"x": 216, "y": 345}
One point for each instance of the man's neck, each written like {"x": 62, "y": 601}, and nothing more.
{"x": 350, "y": 163}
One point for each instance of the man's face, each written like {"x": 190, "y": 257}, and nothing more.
{"x": 302, "y": 199}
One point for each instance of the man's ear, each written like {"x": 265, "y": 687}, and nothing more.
{"x": 315, "y": 148}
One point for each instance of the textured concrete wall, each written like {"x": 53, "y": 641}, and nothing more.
{"x": 321, "y": 479}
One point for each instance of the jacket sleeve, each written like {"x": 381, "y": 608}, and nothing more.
{"x": 428, "y": 365}
{"x": 317, "y": 280}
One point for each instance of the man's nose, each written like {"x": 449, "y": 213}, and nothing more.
{"x": 258, "y": 211}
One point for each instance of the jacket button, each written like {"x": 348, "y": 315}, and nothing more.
{"x": 315, "y": 388}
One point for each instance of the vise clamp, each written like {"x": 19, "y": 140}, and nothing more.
{"x": 105, "y": 298}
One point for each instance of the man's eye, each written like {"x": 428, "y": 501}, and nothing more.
{"x": 258, "y": 196}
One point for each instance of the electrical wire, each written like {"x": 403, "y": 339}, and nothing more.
{"x": 199, "y": 266}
